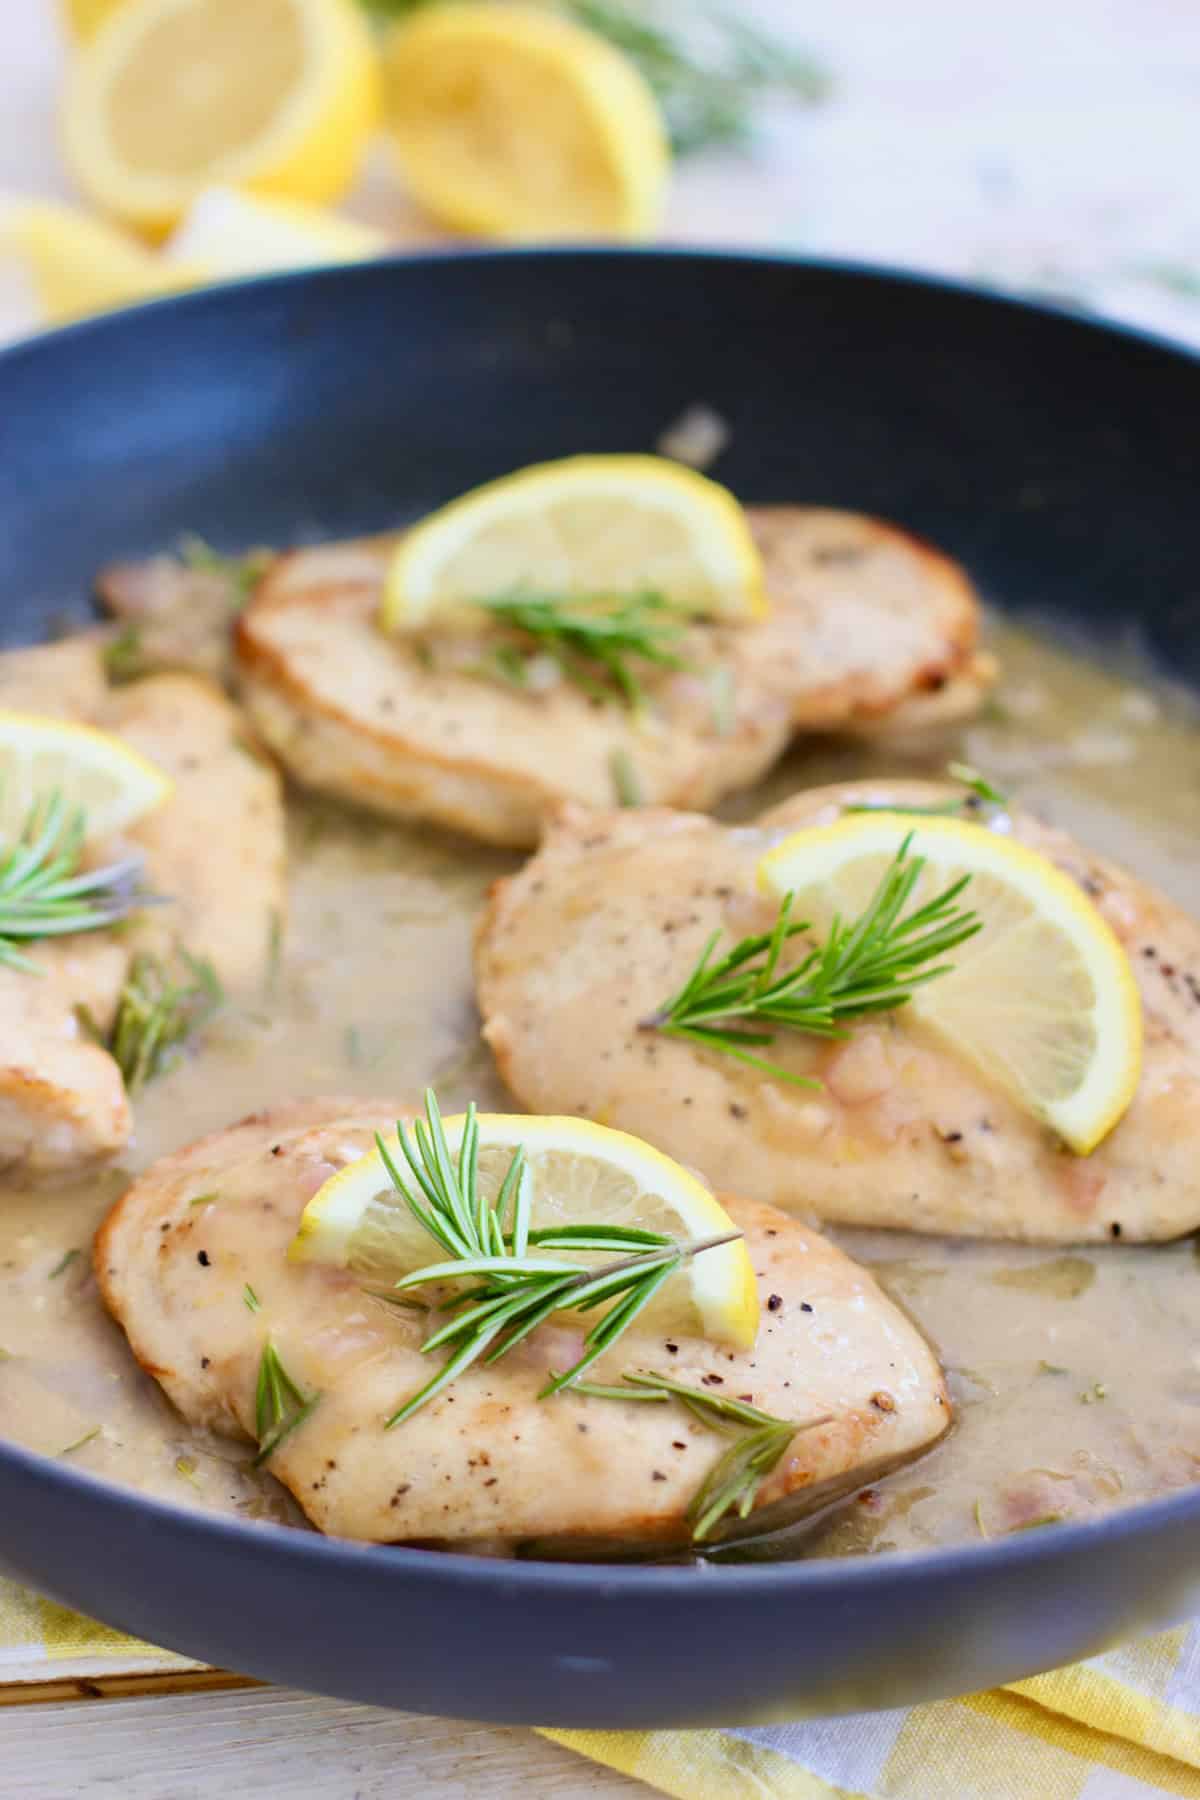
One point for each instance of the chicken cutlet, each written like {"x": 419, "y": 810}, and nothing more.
{"x": 486, "y": 1460}
{"x": 610, "y": 916}
{"x": 865, "y": 622}
{"x": 214, "y": 851}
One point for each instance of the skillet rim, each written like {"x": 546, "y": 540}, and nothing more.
{"x": 849, "y": 1574}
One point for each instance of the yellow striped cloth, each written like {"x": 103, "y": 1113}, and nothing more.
{"x": 1125, "y": 1726}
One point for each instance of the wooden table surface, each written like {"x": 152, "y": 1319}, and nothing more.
{"x": 1038, "y": 147}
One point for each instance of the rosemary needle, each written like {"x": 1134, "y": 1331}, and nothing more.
{"x": 157, "y": 1013}
{"x": 874, "y": 964}
{"x": 280, "y": 1405}
{"x": 595, "y": 638}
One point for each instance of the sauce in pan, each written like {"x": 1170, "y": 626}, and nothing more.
{"x": 1076, "y": 1374}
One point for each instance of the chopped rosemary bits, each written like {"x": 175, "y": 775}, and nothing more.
{"x": 1049, "y": 1368}
{"x": 123, "y": 656}
{"x": 157, "y": 1014}
{"x": 61, "y": 1267}
{"x": 186, "y": 1467}
{"x": 45, "y": 892}
{"x": 593, "y": 637}
{"x": 1092, "y": 1395}
{"x": 980, "y": 1526}
{"x": 981, "y": 797}
{"x": 872, "y": 965}
{"x": 760, "y": 1441}
{"x": 243, "y": 573}
{"x": 87, "y": 1438}
{"x": 514, "y": 1292}
{"x": 627, "y": 786}
{"x": 280, "y": 1407}
{"x": 274, "y": 953}
{"x": 1048, "y": 1518}
{"x": 204, "y": 1200}
{"x": 253, "y": 1303}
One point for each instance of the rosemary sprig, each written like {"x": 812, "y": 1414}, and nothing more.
{"x": 981, "y": 796}
{"x": 874, "y": 964}
{"x": 280, "y": 1406}
{"x": 157, "y": 1014}
{"x": 45, "y": 892}
{"x": 491, "y": 1243}
{"x": 733, "y": 1482}
{"x": 595, "y": 638}
{"x": 241, "y": 573}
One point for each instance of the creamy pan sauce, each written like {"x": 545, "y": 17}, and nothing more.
{"x": 1076, "y": 1374}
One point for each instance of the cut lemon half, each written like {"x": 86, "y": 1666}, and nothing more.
{"x": 510, "y": 121}
{"x": 584, "y": 526}
{"x": 1042, "y": 1001}
{"x": 101, "y": 775}
{"x": 230, "y": 233}
{"x": 578, "y": 1174}
{"x": 168, "y": 97}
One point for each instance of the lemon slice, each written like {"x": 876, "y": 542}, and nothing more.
{"x": 513, "y": 122}
{"x": 167, "y": 97}
{"x": 1042, "y": 1001}
{"x": 579, "y": 1174}
{"x": 586, "y": 525}
{"x": 112, "y": 783}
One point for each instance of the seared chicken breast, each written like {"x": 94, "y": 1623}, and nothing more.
{"x": 606, "y": 921}
{"x": 214, "y": 852}
{"x": 865, "y": 620}
{"x": 486, "y": 1460}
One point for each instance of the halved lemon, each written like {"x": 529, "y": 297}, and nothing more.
{"x": 169, "y": 96}
{"x": 1042, "y": 1001}
{"x": 586, "y": 525}
{"x": 513, "y": 122}
{"x": 579, "y": 1174}
{"x": 112, "y": 784}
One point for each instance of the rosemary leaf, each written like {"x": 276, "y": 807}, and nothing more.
{"x": 253, "y": 1303}
{"x": 87, "y": 1438}
{"x": 872, "y": 965}
{"x": 596, "y": 638}
{"x": 61, "y": 1267}
{"x": 123, "y": 656}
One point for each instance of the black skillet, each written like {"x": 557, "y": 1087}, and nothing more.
{"x": 1059, "y": 459}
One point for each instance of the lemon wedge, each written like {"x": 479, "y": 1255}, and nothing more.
{"x": 102, "y": 775}
{"x": 230, "y": 233}
{"x": 579, "y": 1174}
{"x": 74, "y": 264}
{"x": 510, "y": 121}
{"x": 1042, "y": 1001}
{"x": 586, "y": 525}
{"x": 168, "y": 97}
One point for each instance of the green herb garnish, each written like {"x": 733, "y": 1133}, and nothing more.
{"x": 595, "y": 639}
{"x": 203, "y": 1200}
{"x": 490, "y": 1244}
{"x": 980, "y": 794}
{"x": 123, "y": 656}
{"x": 253, "y": 1303}
{"x": 733, "y": 1483}
{"x": 87, "y": 1438}
{"x": 242, "y": 573}
{"x": 870, "y": 966}
{"x": 280, "y": 1407}
{"x": 45, "y": 892}
{"x": 157, "y": 1014}
{"x": 64, "y": 1263}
